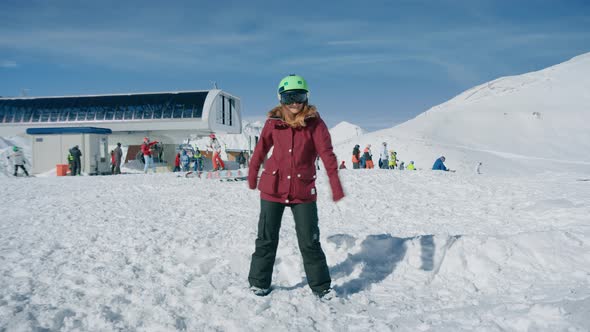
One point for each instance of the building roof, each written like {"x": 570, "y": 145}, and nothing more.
{"x": 68, "y": 130}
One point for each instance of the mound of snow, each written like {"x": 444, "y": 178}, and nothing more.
{"x": 345, "y": 131}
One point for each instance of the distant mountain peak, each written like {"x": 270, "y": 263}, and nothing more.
{"x": 345, "y": 130}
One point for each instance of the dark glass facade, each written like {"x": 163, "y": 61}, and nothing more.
{"x": 158, "y": 106}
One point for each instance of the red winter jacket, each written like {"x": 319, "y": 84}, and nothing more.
{"x": 289, "y": 174}
{"x": 177, "y": 160}
{"x": 145, "y": 148}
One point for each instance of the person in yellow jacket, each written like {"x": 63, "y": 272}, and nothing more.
{"x": 411, "y": 166}
{"x": 392, "y": 160}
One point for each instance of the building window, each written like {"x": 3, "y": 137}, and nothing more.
{"x": 232, "y": 105}
{"x": 109, "y": 114}
{"x": 119, "y": 111}
{"x": 223, "y": 109}
{"x": 100, "y": 112}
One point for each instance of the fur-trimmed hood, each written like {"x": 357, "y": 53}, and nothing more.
{"x": 310, "y": 111}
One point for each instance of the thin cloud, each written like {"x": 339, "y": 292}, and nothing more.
{"x": 8, "y": 64}
{"x": 337, "y": 60}
{"x": 359, "y": 42}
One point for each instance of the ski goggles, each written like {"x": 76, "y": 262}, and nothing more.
{"x": 293, "y": 97}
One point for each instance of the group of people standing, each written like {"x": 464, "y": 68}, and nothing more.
{"x": 183, "y": 160}
{"x": 387, "y": 159}
{"x": 186, "y": 155}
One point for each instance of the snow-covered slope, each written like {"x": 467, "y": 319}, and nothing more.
{"x": 532, "y": 122}
{"x": 544, "y": 114}
{"x": 407, "y": 251}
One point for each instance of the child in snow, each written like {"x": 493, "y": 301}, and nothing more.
{"x": 478, "y": 168}
{"x": 393, "y": 160}
{"x": 298, "y": 135}
{"x": 198, "y": 156}
{"x": 177, "y": 163}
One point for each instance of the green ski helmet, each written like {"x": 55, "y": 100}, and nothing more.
{"x": 292, "y": 82}
{"x": 15, "y": 148}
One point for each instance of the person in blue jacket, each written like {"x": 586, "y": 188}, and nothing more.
{"x": 185, "y": 161}
{"x": 439, "y": 164}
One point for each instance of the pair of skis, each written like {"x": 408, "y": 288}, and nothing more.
{"x": 219, "y": 175}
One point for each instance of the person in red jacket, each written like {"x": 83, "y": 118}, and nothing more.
{"x": 298, "y": 135}
{"x": 177, "y": 163}
{"x": 147, "y": 154}
{"x": 113, "y": 162}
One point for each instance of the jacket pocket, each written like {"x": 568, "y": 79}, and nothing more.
{"x": 269, "y": 182}
{"x": 304, "y": 184}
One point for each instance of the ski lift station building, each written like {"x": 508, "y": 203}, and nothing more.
{"x": 168, "y": 117}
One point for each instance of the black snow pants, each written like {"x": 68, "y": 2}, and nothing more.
{"x": 76, "y": 167}
{"x": 308, "y": 237}
{"x": 21, "y": 166}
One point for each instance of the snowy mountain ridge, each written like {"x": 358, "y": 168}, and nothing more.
{"x": 526, "y": 123}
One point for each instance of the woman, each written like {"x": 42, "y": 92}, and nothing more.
{"x": 298, "y": 135}
{"x": 216, "y": 148}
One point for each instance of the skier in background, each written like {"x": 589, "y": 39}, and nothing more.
{"x": 478, "y": 168}
{"x": 241, "y": 160}
{"x": 185, "y": 161}
{"x": 393, "y": 160}
{"x": 147, "y": 154}
{"x": 439, "y": 164}
{"x": 368, "y": 157}
{"x": 384, "y": 159}
{"x": 112, "y": 162}
{"x": 77, "y": 160}
{"x": 411, "y": 166}
{"x": 356, "y": 157}
{"x": 216, "y": 148}
{"x": 18, "y": 159}
{"x": 177, "y": 163}
{"x": 118, "y": 157}
{"x": 198, "y": 157}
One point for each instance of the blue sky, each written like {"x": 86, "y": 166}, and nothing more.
{"x": 372, "y": 63}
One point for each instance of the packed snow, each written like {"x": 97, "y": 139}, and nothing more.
{"x": 505, "y": 250}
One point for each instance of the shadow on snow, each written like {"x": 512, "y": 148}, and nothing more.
{"x": 378, "y": 257}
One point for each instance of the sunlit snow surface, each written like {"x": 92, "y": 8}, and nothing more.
{"x": 408, "y": 251}
{"x": 507, "y": 250}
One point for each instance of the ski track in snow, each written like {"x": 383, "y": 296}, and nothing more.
{"x": 407, "y": 250}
